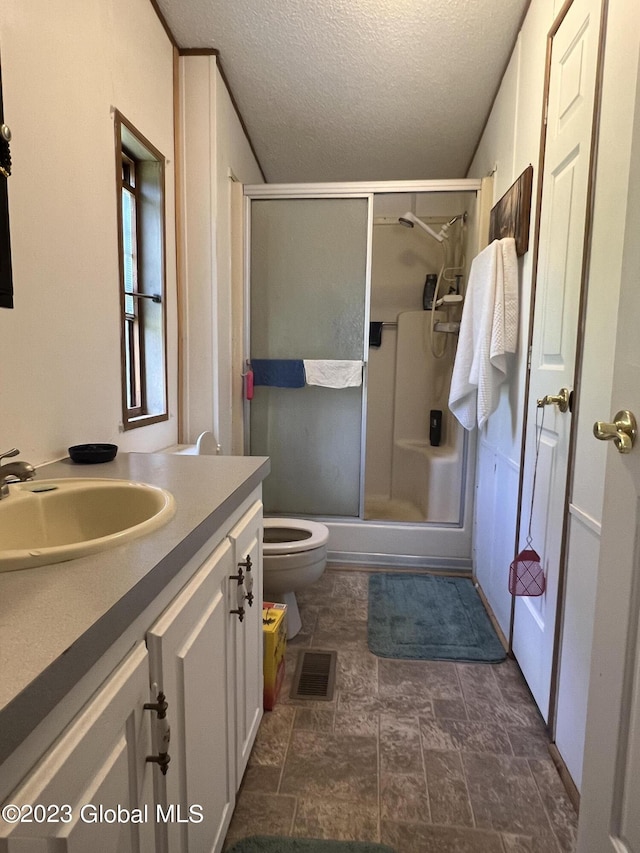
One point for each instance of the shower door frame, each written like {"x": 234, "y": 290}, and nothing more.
{"x": 367, "y": 191}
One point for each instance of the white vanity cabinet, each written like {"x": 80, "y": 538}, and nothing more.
{"x": 99, "y": 764}
{"x": 208, "y": 664}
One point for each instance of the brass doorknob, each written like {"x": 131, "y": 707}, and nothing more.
{"x": 622, "y": 431}
{"x": 561, "y": 400}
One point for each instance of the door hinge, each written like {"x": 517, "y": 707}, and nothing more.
{"x": 529, "y": 358}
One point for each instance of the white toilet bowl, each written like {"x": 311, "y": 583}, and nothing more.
{"x": 294, "y": 556}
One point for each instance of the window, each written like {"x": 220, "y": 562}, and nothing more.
{"x": 141, "y": 244}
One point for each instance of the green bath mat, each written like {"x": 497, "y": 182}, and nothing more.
{"x": 272, "y": 844}
{"x": 428, "y": 617}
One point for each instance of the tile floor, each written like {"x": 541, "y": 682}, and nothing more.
{"x": 425, "y": 756}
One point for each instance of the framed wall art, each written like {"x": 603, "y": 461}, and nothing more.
{"x": 510, "y": 216}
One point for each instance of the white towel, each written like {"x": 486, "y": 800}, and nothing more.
{"x": 488, "y": 331}
{"x": 333, "y": 374}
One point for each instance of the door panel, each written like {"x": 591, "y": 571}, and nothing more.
{"x": 308, "y": 268}
{"x": 247, "y": 638}
{"x": 558, "y": 285}
{"x": 557, "y": 351}
{"x": 609, "y": 813}
{"x": 99, "y": 761}
{"x": 308, "y": 300}
{"x": 189, "y": 662}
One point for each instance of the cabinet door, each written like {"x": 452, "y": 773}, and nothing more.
{"x": 94, "y": 788}
{"x": 189, "y": 653}
{"x": 246, "y": 537}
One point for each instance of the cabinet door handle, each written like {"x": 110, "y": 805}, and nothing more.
{"x": 248, "y": 580}
{"x": 239, "y": 612}
{"x": 163, "y": 732}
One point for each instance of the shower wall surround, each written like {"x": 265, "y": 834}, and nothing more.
{"x": 407, "y": 479}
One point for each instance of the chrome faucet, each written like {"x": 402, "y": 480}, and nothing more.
{"x": 13, "y": 471}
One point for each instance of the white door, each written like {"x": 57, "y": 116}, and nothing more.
{"x": 610, "y": 800}
{"x": 562, "y": 227}
{"x": 189, "y": 661}
{"x": 93, "y": 789}
{"x": 246, "y": 538}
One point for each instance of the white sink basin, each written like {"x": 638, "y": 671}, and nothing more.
{"x": 49, "y": 521}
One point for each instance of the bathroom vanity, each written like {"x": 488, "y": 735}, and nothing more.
{"x": 89, "y": 645}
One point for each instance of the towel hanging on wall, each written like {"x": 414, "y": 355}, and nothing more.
{"x": 488, "y": 333}
{"x": 333, "y": 373}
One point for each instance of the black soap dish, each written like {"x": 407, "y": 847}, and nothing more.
{"x": 90, "y": 454}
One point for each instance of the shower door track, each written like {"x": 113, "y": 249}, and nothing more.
{"x": 359, "y": 188}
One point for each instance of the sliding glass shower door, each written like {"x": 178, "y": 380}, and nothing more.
{"x": 308, "y": 286}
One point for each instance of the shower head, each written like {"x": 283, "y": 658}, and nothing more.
{"x": 409, "y": 219}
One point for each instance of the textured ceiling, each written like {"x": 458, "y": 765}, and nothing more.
{"x": 357, "y": 90}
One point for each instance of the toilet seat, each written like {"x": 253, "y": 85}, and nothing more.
{"x": 309, "y": 535}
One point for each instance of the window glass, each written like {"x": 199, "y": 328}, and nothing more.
{"x": 141, "y": 223}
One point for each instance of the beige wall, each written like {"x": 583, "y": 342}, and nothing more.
{"x": 65, "y": 65}
{"x": 214, "y": 148}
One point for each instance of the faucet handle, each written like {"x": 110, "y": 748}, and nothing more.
{"x": 13, "y": 452}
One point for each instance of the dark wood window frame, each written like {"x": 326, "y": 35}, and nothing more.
{"x": 6, "y": 276}
{"x": 140, "y": 175}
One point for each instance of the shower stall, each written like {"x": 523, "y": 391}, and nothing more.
{"x": 367, "y": 279}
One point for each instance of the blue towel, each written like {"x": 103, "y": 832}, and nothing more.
{"x": 278, "y": 372}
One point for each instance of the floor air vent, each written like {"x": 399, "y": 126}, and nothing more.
{"x": 315, "y": 676}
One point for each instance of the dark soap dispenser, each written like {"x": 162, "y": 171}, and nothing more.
{"x": 435, "y": 427}
{"x": 429, "y": 291}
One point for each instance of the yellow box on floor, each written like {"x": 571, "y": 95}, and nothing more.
{"x": 274, "y": 633}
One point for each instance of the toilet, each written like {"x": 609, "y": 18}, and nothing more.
{"x": 294, "y": 556}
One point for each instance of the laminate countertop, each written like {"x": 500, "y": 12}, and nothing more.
{"x": 56, "y": 621}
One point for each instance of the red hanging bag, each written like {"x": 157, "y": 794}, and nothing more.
{"x": 526, "y": 575}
